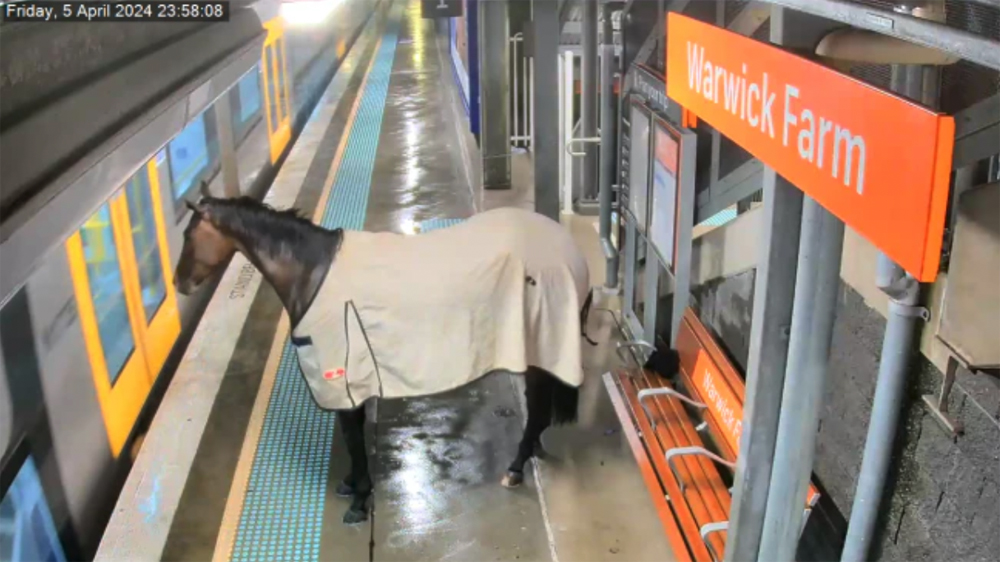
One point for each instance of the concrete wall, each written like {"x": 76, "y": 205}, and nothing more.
{"x": 943, "y": 501}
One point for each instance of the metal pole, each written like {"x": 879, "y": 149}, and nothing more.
{"x": 546, "y": 77}
{"x": 897, "y": 345}
{"x": 607, "y": 148}
{"x": 816, "y": 287}
{"x": 568, "y": 111}
{"x": 769, "y": 330}
{"x": 516, "y": 92}
{"x": 589, "y": 99}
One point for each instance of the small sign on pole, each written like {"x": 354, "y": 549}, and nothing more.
{"x": 433, "y": 9}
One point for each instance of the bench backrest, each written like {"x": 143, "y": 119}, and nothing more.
{"x": 710, "y": 377}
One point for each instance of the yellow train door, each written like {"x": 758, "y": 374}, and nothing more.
{"x": 125, "y": 295}
{"x": 277, "y": 99}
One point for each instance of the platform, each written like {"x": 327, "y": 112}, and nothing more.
{"x": 239, "y": 463}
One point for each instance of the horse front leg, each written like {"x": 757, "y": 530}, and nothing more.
{"x": 358, "y": 484}
{"x": 538, "y": 395}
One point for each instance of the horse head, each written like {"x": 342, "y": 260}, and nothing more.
{"x": 206, "y": 247}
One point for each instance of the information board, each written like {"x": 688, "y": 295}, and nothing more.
{"x": 663, "y": 215}
{"x": 638, "y": 184}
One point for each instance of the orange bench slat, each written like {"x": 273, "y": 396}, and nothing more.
{"x": 649, "y": 475}
{"x": 689, "y": 513}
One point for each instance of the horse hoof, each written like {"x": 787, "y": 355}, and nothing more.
{"x": 355, "y": 516}
{"x": 344, "y": 490}
{"x": 512, "y": 479}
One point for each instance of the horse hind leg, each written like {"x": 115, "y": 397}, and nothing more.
{"x": 538, "y": 395}
{"x": 358, "y": 484}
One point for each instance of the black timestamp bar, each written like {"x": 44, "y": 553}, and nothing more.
{"x": 115, "y": 11}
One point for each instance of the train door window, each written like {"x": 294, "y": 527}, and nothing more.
{"x": 277, "y": 102}
{"x": 144, "y": 240}
{"x": 107, "y": 290}
{"x": 27, "y": 529}
{"x": 110, "y": 316}
{"x": 283, "y": 81}
{"x": 272, "y": 89}
{"x": 150, "y": 280}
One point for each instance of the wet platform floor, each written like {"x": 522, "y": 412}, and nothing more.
{"x": 438, "y": 460}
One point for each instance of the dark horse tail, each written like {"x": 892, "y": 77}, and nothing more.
{"x": 565, "y": 398}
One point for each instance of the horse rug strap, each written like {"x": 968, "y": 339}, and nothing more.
{"x": 400, "y": 316}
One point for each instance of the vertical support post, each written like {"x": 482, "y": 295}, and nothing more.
{"x": 494, "y": 92}
{"x": 546, "y": 77}
{"x": 589, "y": 90}
{"x": 569, "y": 62}
{"x": 607, "y": 148}
{"x": 769, "y": 331}
{"x": 817, "y": 284}
{"x": 897, "y": 345}
{"x": 563, "y": 139}
{"x": 227, "y": 146}
{"x": 513, "y": 116}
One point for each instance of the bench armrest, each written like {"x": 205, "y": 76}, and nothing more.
{"x": 679, "y": 451}
{"x": 648, "y": 392}
{"x": 719, "y": 526}
{"x": 623, "y": 345}
{"x": 708, "y": 529}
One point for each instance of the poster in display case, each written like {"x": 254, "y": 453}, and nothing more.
{"x": 663, "y": 216}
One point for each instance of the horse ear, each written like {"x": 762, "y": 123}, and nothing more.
{"x": 195, "y": 207}
{"x": 204, "y": 189}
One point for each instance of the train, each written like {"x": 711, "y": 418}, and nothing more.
{"x": 99, "y": 158}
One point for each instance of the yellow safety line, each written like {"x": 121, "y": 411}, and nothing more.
{"x": 241, "y": 479}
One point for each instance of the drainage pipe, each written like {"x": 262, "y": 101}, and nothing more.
{"x": 607, "y": 169}
{"x": 897, "y": 345}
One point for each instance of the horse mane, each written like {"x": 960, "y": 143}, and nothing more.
{"x": 263, "y": 227}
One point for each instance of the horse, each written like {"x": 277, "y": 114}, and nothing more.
{"x": 502, "y": 304}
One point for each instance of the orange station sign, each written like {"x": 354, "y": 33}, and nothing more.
{"x": 877, "y": 161}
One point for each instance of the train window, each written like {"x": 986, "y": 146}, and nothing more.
{"x": 144, "y": 238}
{"x": 249, "y": 96}
{"x": 188, "y": 156}
{"x": 27, "y": 530}
{"x": 107, "y": 289}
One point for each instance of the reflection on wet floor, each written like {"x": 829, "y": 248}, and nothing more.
{"x": 440, "y": 460}
{"x": 418, "y": 168}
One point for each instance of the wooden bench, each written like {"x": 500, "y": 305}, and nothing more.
{"x": 681, "y": 431}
